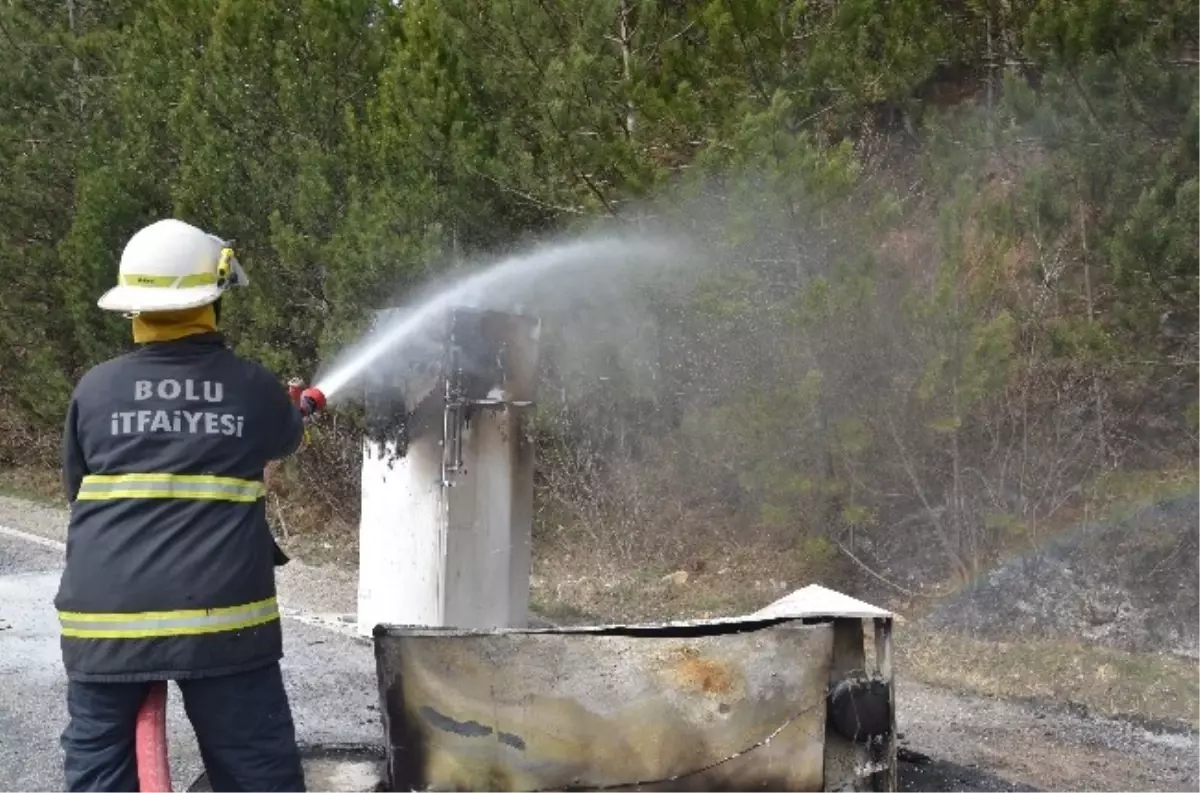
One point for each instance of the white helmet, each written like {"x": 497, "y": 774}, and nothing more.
{"x": 171, "y": 265}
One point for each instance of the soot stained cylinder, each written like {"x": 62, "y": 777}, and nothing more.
{"x": 447, "y": 477}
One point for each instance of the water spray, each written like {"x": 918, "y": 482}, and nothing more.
{"x": 491, "y": 287}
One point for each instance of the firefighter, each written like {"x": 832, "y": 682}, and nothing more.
{"x": 170, "y": 563}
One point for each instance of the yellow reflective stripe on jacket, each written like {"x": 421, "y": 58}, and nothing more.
{"x": 100, "y": 487}
{"x": 151, "y": 624}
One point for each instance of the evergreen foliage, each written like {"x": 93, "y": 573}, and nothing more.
{"x": 959, "y": 239}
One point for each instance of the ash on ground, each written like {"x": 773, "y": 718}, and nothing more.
{"x": 1131, "y": 584}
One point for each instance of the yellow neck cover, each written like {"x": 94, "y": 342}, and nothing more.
{"x": 170, "y": 325}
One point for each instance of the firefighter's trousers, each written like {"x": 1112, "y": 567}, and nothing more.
{"x": 243, "y": 725}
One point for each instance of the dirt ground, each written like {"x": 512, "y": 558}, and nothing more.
{"x": 923, "y": 773}
{"x": 979, "y": 743}
{"x": 1129, "y": 583}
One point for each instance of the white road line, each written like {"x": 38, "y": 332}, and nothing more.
{"x": 36, "y": 539}
{"x": 328, "y": 622}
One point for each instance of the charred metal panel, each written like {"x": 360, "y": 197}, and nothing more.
{"x": 488, "y": 468}
{"x": 844, "y": 757}
{"x": 395, "y": 388}
{"x": 884, "y": 748}
{"x": 494, "y": 355}
{"x": 447, "y": 476}
{"x": 860, "y": 745}
{"x": 733, "y": 707}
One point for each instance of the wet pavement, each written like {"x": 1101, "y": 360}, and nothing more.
{"x": 329, "y": 674}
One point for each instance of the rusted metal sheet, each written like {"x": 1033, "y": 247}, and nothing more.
{"x": 718, "y": 707}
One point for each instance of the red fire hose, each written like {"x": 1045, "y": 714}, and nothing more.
{"x": 150, "y": 741}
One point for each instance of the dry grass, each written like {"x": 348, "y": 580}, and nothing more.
{"x": 1119, "y": 493}
{"x": 1106, "y": 681}
{"x": 307, "y": 513}
{"x": 41, "y": 485}
{"x": 586, "y": 582}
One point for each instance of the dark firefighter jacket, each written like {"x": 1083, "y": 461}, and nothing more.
{"x": 170, "y": 562}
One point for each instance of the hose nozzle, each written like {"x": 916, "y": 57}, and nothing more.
{"x": 309, "y": 400}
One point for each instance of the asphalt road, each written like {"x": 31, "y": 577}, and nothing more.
{"x": 329, "y": 674}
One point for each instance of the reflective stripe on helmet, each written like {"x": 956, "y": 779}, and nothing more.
{"x": 168, "y": 281}
{"x": 100, "y": 487}
{"x": 150, "y": 624}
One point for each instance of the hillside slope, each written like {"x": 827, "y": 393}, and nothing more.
{"x": 1130, "y": 584}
